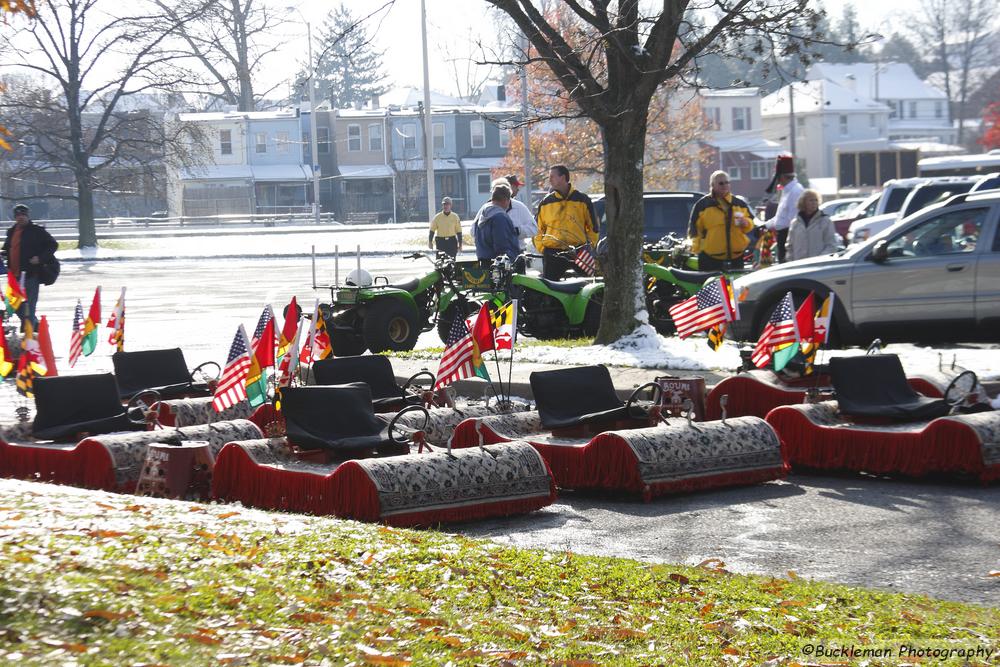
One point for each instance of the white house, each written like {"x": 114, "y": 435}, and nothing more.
{"x": 918, "y": 112}
{"x": 825, "y": 114}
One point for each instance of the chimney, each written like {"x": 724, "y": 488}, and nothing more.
{"x": 374, "y": 101}
{"x": 501, "y": 93}
{"x": 357, "y": 105}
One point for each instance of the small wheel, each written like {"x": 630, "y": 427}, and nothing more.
{"x": 630, "y": 403}
{"x": 875, "y": 347}
{"x": 207, "y": 372}
{"x": 592, "y": 315}
{"x": 390, "y": 324}
{"x": 406, "y": 436}
{"x": 140, "y": 404}
{"x": 960, "y": 388}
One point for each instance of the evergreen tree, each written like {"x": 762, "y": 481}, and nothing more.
{"x": 348, "y": 69}
{"x": 849, "y": 32}
{"x": 898, "y": 49}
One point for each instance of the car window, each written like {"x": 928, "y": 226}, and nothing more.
{"x": 950, "y": 233}
{"x": 667, "y": 214}
{"x": 928, "y": 195}
{"x": 896, "y": 198}
{"x": 870, "y": 209}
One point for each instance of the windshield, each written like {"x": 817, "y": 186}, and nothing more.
{"x": 926, "y": 195}
{"x": 896, "y": 198}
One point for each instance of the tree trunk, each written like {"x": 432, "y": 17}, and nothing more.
{"x": 624, "y": 147}
{"x": 87, "y": 236}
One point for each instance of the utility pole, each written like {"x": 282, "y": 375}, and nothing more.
{"x": 525, "y": 193}
{"x": 313, "y": 142}
{"x": 428, "y": 138}
{"x": 791, "y": 118}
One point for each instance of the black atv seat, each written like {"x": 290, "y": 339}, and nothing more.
{"x": 574, "y": 396}
{"x": 374, "y": 370}
{"x": 566, "y": 286}
{"x": 697, "y": 277}
{"x": 876, "y": 386}
{"x": 68, "y": 405}
{"x": 165, "y": 371}
{"x": 337, "y": 418}
{"x": 408, "y": 286}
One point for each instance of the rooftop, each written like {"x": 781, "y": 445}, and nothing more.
{"x": 818, "y": 96}
{"x": 882, "y": 81}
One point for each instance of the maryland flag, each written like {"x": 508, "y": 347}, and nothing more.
{"x": 13, "y": 294}
{"x": 29, "y": 364}
{"x": 290, "y": 362}
{"x": 91, "y": 324}
{"x": 117, "y": 324}
{"x": 321, "y": 346}
{"x": 717, "y": 336}
{"x": 505, "y": 326}
{"x": 290, "y": 328}
{"x": 821, "y": 329}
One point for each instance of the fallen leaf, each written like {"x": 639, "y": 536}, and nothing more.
{"x": 105, "y": 614}
{"x": 106, "y": 507}
{"x": 792, "y": 575}
{"x": 712, "y": 564}
{"x": 679, "y": 578}
{"x": 227, "y": 515}
{"x": 75, "y": 648}
{"x": 105, "y": 533}
{"x": 200, "y": 638}
{"x": 792, "y": 603}
{"x": 707, "y": 608}
{"x": 994, "y": 573}
{"x": 450, "y": 640}
{"x": 730, "y": 651}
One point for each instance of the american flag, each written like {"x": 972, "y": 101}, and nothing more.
{"x": 585, "y": 260}
{"x": 780, "y": 329}
{"x": 711, "y": 306}
{"x": 232, "y": 385}
{"x": 456, "y": 362}
{"x": 76, "y": 337}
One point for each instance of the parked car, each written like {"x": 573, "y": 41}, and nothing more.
{"x": 839, "y": 206}
{"x": 933, "y": 191}
{"x": 987, "y": 182}
{"x": 887, "y": 200}
{"x": 664, "y": 212}
{"x": 933, "y": 277}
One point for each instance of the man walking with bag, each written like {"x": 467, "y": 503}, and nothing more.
{"x": 29, "y": 250}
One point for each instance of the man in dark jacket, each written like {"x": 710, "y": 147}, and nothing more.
{"x": 493, "y": 229}
{"x": 26, "y": 249}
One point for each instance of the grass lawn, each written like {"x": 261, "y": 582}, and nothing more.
{"x": 100, "y": 579}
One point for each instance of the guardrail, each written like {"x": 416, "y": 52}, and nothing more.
{"x": 124, "y": 223}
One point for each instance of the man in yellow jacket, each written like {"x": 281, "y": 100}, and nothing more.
{"x": 565, "y": 218}
{"x": 720, "y": 222}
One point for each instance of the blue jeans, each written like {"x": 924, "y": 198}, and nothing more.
{"x": 27, "y": 309}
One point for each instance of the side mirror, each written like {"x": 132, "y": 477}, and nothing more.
{"x": 880, "y": 254}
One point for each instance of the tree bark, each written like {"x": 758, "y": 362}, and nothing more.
{"x": 87, "y": 236}
{"x": 624, "y": 146}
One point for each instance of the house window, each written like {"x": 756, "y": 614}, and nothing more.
{"x": 843, "y": 125}
{"x": 353, "y": 138}
{"x": 28, "y": 147}
{"x": 713, "y": 115}
{"x": 760, "y": 170}
{"x": 375, "y": 138}
{"x": 913, "y": 109}
{"x": 438, "y": 136}
{"x": 226, "y": 142}
{"x": 323, "y": 140}
{"x": 800, "y": 126}
{"x": 504, "y": 137}
{"x": 872, "y": 121}
{"x": 741, "y": 118}
{"x": 735, "y": 174}
{"x": 477, "y": 132}
{"x": 938, "y": 109}
{"x": 409, "y": 132}
{"x": 261, "y": 145}
{"x": 483, "y": 183}
{"x": 282, "y": 142}
{"x": 894, "y": 108}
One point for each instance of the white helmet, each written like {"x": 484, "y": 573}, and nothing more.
{"x": 359, "y": 278}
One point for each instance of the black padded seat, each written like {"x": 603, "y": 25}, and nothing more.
{"x": 699, "y": 277}
{"x": 69, "y": 405}
{"x": 164, "y": 371}
{"x": 338, "y": 419}
{"x": 566, "y": 286}
{"x": 573, "y": 396}
{"x": 374, "y": 370}
{"x": 876, "y": 386}
{"x": 408, "y": 286}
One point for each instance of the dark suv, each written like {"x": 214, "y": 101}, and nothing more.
{"x": 664, "y": 212}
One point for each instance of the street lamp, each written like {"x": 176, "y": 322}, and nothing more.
{"x": 313, "y": 143}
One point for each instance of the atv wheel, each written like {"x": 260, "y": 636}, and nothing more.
{"x": 390, "y": 324}
{"x": 345, "y": 344}
{"x": 446, "y": 318}
{"x": 592, "y": 316}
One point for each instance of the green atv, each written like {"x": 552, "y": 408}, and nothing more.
{"x": 368, "y": 313}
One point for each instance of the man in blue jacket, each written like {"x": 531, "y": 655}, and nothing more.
{"x": 493, "y": 229}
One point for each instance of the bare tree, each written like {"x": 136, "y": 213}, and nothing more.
{"x": 954, "y": 33}
{"x": 612, "y": 65}
{"x": 468, "y": 77}
{"x": 83, "y": 121}
{"x": 228, "y": 40}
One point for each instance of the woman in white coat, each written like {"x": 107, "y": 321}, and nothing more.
{"x": 811, "y": 232}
